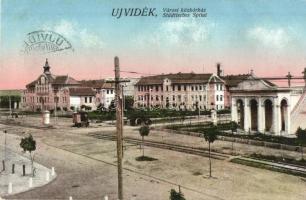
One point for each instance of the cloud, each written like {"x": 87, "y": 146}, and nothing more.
{"x": 73, "y": 32}
{"x": 90, "y": 39}
{"x": 274, "y": 38}
{"x": 186, "y": 32}
{"x": 66, "y": 28}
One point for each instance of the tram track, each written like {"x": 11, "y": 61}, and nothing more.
{"x": 163, "y": 145}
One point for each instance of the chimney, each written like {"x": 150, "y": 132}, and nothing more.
{"x": 219, "y": 71}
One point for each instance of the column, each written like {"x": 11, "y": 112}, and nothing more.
{"x": 261, "y": 116}
{"x": 234, "y": 112}
{"x": 276, "y": 117}
{"x": 288, "y": 128}
{"x": 247, "y": 114}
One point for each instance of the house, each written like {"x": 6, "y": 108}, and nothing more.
{"x": 105, "y": 91}
{"x": 82, "y": 96}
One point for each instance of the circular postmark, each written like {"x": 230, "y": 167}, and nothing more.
{"x": 43, "y": 41}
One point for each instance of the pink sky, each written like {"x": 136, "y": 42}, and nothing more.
{"x": 17, "y": 71}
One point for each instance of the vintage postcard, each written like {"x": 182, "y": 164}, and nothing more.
{"x": 152, "y": 99}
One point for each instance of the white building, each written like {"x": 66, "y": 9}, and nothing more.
{"x": 82, "y": 96}
{"x": 259, "y": 105}
{"x": 105, "y": 91}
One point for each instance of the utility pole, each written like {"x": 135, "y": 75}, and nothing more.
{"x": 119, "y": 126}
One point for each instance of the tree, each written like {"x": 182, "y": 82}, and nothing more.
{"x": 174, "y": 195}
{"x": 112, "y": 105}
{"x": 233, "y": 126}
{"x": 144, "y": 131}
{"x": 100, "y": 107}
{"x": 301, "y": 137}
{"x": 29, "y": 144}
{"x": 128, "y": 102}
{"x": 210, "y": 136}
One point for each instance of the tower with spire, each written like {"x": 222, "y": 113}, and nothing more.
{"x": 47, "y": 67}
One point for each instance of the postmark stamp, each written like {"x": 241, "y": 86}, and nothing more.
{"x": 43, "y": 42}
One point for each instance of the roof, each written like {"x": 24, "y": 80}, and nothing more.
{"x": 56, "y": 80}
{"x": 82, "y": 91}
{"x": 61, "y": 80}
{"x": 234, "y": 80}
{"x": 182, "y": 78}
{"x": 101, "y": 83}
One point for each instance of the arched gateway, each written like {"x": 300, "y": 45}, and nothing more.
{"x": 258, "y": 105}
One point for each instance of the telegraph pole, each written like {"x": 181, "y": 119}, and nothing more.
{"x": 119, "y": 126}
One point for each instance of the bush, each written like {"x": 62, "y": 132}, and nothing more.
{"x": 85, "y": 107}
{"x": 102, "y": 115}
{"x": 278, "y": 159}
{"x": 224, "y": 111}
{"x": 174, "y": 195}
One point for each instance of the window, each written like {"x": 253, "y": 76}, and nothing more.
{"x": 179, "y": 87}
{"x": 112, "y": 91}
{"x": 173, "y": 87}
{"x": 156, "y": 88}
{"x": 196, "y": 88}
{"x": 200, "y": 97}
{"x": 185, "y": 87}
{"x": 157, "y": 98}
{"x": 162, "y": 97}
{"x": 221, "y": 87}
{"x": 173, "y": 97}
{"x": 200, "y": 87}
{"x": 107, "y": 92}
{"x": 221, "y": 97}
{"x": 90, "y": 99}
{"x": 217, "y": 97}
{"x": 191, "y": 88}
{"x": 85, "y": 99}
{"x": 138, "y": 88}
{"x": 167, "y": 88}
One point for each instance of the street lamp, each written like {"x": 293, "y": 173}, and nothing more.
{"x": 56, "y": 98}
{"x": 4, "y": 159}
{"x": 150, "y": 90}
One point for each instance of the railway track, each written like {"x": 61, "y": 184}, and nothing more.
{"x": 162, "y": 145}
